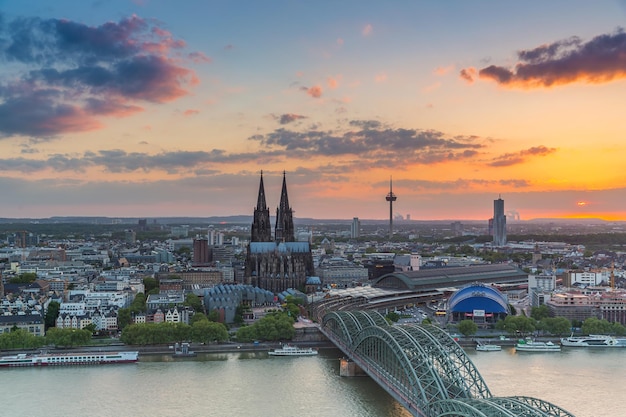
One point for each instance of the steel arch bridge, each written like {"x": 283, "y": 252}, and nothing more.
{"x": 423, "y": 368}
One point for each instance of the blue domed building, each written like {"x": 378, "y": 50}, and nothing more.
{"x": 481, "y": 303}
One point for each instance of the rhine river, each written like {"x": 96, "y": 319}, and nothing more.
{"x": 586, "y": 382}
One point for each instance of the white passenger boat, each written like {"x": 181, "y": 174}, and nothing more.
{"x": 593, "y": 340}
{"x": 533, "y": 346}
{"x": 68, "y": 358}
{"x": 486, "y": 347}
{"x": 290, "y": 350}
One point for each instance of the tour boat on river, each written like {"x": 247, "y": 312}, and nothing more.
{"x": 67, "y": 358}
{"x": 290, "y": 350}
{"x": 487, "y": 347}
{"x": 534, "y": 346}
{"x": 593, "y": 340}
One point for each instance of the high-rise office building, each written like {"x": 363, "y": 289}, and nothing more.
{"x": 201, "y": 252}
{"x": 499, "y": 223}
{"x": 355, "y": 228}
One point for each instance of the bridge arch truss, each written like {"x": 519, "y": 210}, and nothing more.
{"x": 423, "y": 368}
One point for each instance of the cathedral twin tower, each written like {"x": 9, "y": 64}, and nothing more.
{"x": 280, "y": 263}
{"x": 261, "y": 225}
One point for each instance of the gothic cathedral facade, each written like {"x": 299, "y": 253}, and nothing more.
{"x": 280, "y": 263}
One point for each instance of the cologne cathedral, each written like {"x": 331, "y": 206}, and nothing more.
{"x": 280, "y": 263}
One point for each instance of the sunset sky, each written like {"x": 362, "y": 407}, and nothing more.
{"x": 153, "y": 108}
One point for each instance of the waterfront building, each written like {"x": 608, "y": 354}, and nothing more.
{"x": 480, "y": 303}
{"x": 499, "y": 223}
{"x": 612, "y": 305}
{"x": 32, "y": 323}
{"x": 572, "y": 306}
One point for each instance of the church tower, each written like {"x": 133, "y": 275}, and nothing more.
{"x": 282, "y": 263}
{"x": 261, "y": 225}
{"x": 284, "y": 231}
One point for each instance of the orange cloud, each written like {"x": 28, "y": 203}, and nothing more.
{"x": 443, "y": 70}
{"x": 515, "y": 158}
{"x": 367, "y": 30}
{"x": 380, "y": 78}
{"x": 468, "y": 74}
{"x": 332, "y": 82}
{"x": 191, "y": 112}
{"x": 315, "y": 91}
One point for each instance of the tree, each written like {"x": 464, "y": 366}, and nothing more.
{"x": 214, "y": 315}
{"x": 198, "y": 317}
{"x": 25, "y": 278}
{"x": 467, "y": 327}
{"x": 539, "y": 313}
{"x": 392, "y": 316}
{"x": 150, "y": 284}
{"x": 558, "y": 326}
{"x": 274, "y": 326}
{"x": 205, "y": 331}
{"x": 68, "y": 337}
{"x": 593, "y": 325}
{"x": 52, "y": 312}
{"x": 124, "y": 318}
{"x": 516, "y": 324}
{"x": 20, "y": 339}
{"x": 90, "y": 327}
{"x": 139, "y": 303}
{"x": 193, "y": 301}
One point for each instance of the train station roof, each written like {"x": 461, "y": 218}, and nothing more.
{"x": 451, "y": 277}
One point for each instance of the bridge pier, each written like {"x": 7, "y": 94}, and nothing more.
{"x": 349, "y": 368}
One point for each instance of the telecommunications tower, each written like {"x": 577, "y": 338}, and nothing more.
{"x": 391, "y": 197}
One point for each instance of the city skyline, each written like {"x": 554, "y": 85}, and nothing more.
{"x": 148, "y": 109}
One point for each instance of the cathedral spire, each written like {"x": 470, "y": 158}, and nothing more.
{"x": 260, "y": 203}
{"x": 284, "y": 231}
{"x": 261, "y": 225}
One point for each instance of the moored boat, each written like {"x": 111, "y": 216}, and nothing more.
{"x": 487, "y": 347}
{"x": 291, "y": 350}
{"x": 593, "y": 340}
{"x": 534, "y": 346}
{"x": 68, "y": 358}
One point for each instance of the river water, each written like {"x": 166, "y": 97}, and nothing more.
{"x": 588, "y": 383}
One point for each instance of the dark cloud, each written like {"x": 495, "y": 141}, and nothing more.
{"x": 120, "y": 161}
{"x": 365, "y": 124}
{"x": 289, "y": 117}
{"x": 71, "y": 74}
{"x": 42, "y": 114}
{"x": 468, "y": 74}
{"x": 515, "y": 158}
{"x": 383, "y": 146}
{"x": 600, "y": 60}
